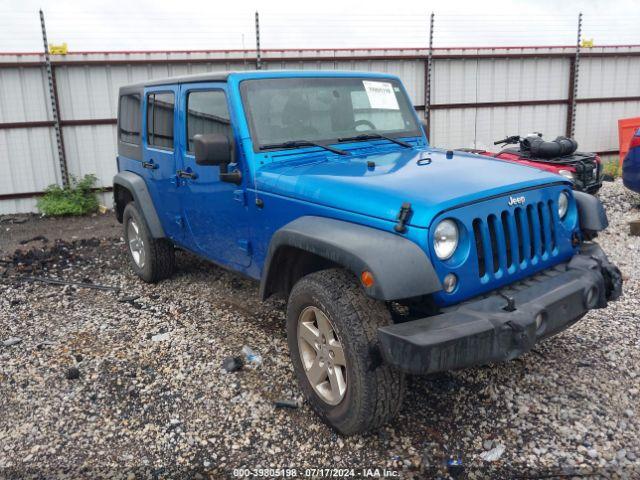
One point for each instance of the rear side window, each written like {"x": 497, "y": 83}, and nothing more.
{"x": 160, "y": 119}
{"x": 129, "y": 122}
{"x": 207, "y": 112}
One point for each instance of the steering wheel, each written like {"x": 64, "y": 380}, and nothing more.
{"x": 363, "y": 123}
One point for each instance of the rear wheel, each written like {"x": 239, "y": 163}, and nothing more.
{"x": 152, "y": 259}
{"x": 332, "y": 335}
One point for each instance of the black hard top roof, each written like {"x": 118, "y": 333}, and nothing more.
{"x": 199, "y": 77}
{"x": 223, "y": 76}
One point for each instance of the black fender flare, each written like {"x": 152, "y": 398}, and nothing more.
{"x": 591, "y": 213}
{"x": 400, "y": 268}
{"x": 136, "y": 185}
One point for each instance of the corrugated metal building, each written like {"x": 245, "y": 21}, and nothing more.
{"x": 476, "y": 97}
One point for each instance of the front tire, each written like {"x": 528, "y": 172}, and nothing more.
{"x": 332, "y": 335}
{"x": 152, "y": 259}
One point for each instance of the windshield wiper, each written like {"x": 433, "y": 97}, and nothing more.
{"x": 373, "y": 136}
{"x": 301, "y": 143}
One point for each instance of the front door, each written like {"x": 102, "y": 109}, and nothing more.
{"x": 159, "y": 157}
{"x": 215, "y": 212}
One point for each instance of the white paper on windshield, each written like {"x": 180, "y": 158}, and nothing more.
{"x": 381, "y": 95}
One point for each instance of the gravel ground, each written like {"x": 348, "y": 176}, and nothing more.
{"x": 151, "y": 400}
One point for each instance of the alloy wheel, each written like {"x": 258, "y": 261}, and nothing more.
{"x": 322, "y": 355}
{"x": 136, "y": 244}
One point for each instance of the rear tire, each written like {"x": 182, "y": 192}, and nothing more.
{"x": 152, "y": 259}
{"x": 374, "y": 391}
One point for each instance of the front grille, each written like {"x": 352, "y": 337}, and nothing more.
{"x": 515, "y": 239}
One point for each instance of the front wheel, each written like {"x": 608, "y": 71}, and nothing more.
{"x": 332, "y": 335}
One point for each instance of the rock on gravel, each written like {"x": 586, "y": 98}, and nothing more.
{"x": 161, "y": 337}
{"x": 493, "y": 455}
{"x": 11, "y": 341}
{"x": 166, "y": 409}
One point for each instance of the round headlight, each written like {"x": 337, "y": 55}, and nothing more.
{"x": 445, "y": 239}
{"x": 563, "y": 204}
{"x": 567, "y": 174}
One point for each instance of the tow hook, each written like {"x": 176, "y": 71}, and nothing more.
{"x": 511, "y": 303}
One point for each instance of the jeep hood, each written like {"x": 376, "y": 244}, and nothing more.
{"x": 427, "y": 179}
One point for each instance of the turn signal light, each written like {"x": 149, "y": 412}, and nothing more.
{"x": 366, "y": 278}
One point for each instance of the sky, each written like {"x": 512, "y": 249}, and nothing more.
{"x": 91, "y": 25}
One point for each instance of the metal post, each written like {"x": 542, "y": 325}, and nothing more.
{"x": 53, "y": 95}
{"x": 427, "y": 79}
{"x": 573, "y": 83}
{"x": 258, "y": 59}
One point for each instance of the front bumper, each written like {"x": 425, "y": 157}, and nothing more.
{"x": 505, "y": 324}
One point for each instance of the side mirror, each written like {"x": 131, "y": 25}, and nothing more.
{"x": 216, "y": 149}
{"x": 212, "y": 149}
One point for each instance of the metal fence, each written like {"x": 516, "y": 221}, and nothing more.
{"x": 470, "y": 97}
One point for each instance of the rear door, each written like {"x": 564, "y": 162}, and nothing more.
{"x": 159, "y": 156}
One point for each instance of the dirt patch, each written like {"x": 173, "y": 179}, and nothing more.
{"x": 26, "y": 231}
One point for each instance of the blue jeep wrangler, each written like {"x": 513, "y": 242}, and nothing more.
{"x": 395, "y": 257}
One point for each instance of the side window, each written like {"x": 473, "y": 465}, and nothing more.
{"x": 160, "y": 108}
{"x": 207, "y": 112}
{"x": 129, "y": 121}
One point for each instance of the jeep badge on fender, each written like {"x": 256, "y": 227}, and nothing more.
{"x": 315, "y": 184}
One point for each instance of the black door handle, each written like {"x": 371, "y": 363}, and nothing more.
{"x": 186, "y": 174}
{"x": 150, "y": 165}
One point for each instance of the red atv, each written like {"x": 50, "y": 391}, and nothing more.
{"x": 558, "y": 156}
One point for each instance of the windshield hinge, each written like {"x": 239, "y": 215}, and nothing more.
{"x": 403, "y": 217}
{"x": 239, "y": 196}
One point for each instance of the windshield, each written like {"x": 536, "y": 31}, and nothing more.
{"x": 324, "y": 110}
